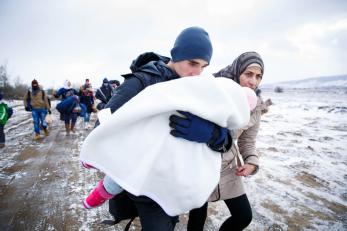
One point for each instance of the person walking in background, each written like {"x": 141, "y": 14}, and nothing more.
{"x": 104, "y": 93}
{"x": 5, "y": 113}
{"x": 87, "y": 98}
{"x": 69, "y": 101}
{"x": 242, "y": 159}
{"x": 36, "y": 101}
{"x": 114, "y": 84}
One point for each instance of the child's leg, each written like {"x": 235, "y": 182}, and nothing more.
{"x": 111, "y": 186}
{"x": 67, "y": 122}
{"x": 98, "y": 196}
{"x": 73, "y": 121}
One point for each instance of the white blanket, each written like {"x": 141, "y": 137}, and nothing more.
{"x": 134, "y": 146}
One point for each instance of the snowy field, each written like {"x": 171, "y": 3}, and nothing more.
{"x": 301, "y": 185}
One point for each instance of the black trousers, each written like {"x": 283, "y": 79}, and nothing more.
{"x": 152, "y": 216}
{"x": 2, "y": 134}
{"x": 240, "y": 210}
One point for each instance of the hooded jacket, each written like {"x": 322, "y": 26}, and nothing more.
{"x": 147, "y": 69}
{"x": 104, "y": 93}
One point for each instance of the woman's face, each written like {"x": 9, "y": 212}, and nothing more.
{"x": 189, "y": 67}
{"x": 251, "y": 77}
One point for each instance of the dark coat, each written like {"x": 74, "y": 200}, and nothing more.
{"x": 104, "y": 93}
{"x": 65, "y": 93}
{"x": 147, "y": 69}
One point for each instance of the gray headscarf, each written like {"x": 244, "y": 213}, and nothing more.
{"x": 239, "y": 65}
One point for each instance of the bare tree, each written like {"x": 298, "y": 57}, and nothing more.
{"x": 11, "y": 92}
{"x": 3, "y": 76}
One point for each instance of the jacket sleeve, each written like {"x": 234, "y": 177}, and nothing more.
{"x": 59, "y": 93}
{"x": 224, "y": 146}
{"x": 122, "y": 94}
{"x": 247, "y": 140}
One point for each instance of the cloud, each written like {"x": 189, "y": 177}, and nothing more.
{"x": 58, "y": 39}
{"x": 315, "y": 39}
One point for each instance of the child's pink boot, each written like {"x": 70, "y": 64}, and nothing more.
{"x": 97, "y": 197}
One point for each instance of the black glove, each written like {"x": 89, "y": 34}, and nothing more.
{"x": 29, "y": 108}
{"x": 49, "y": 111}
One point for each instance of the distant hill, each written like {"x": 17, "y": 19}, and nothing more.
{"x": 339, "y": 81}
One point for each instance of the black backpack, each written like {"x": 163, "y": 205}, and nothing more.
{"x": 121, "y": 208}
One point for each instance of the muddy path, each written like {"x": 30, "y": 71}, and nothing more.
{"x": 43, "y": 183}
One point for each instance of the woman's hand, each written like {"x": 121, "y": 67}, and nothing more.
{"x": 245, "y": 170}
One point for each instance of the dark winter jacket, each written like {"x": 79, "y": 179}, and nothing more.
{"x": 69, "y": 100}
{"x": 65, "y": 93}
{"x": 104, "y": 93}
{"x": 147, "y": 69}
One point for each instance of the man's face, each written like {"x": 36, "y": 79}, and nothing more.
{"x": 189, "y": 67}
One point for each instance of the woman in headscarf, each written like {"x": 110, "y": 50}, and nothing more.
{"x": 242, "y": 159}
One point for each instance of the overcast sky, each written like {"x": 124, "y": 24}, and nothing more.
{"x": 77, "y": 39}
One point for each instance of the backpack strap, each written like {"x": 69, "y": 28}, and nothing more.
{"x": 114, "y": 222}
{"x": 128, "y": 225}
{"x": 103, "y": 95}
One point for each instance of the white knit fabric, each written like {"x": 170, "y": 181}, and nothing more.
{"x": 134, "y": 146}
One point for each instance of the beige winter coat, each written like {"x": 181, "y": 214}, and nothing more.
{"x": 230, "y": 185}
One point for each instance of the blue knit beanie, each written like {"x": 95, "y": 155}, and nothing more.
{"x": 192, "y": 43}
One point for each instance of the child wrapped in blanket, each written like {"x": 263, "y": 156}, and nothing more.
{"x": 107, "y": 188}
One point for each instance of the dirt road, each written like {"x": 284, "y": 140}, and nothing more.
{"x": 42, "y": 182}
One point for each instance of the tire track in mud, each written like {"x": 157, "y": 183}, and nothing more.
{"x": 43, "y": 184}
{"x": 24, "y": 195}
{"x": 29, "y": 198}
